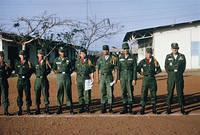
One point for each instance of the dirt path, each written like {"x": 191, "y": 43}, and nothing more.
{"x": 96, "y": 123}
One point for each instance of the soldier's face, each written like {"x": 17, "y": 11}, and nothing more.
{"x": 174, "y": 51}
{"x": 21, "y": 57}
{"x": 148, "y": 55}
{"x": 1, "y": 58}
{"x": 105, "y": 52}
{"x": 126, "y": 51}
{"x": 40, "y": 56}
{"x": 82, "y": 55}
{"x": 61, "y": 54}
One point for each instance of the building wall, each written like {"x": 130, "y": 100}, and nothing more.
{"x": 188, "y": 39}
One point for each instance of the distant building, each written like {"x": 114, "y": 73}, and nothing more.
{"x": 11, "y": 49}
{"x": 187, "y": 35}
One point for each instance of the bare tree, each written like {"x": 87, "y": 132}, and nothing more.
{"x": 31, "y": 29}
{"x": 87, "y": 33}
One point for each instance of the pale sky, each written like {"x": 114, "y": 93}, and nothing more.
{"x": 132, "y": 14}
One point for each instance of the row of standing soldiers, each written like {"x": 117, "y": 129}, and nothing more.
{"x": 110, "y": 69}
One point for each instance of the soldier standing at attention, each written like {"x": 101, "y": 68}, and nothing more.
{"x": 63, "y": 68}
{"x": 41, "y": 69}
{"x": 175, "y": 64}
{"x": 5, "y": 72}
{"x": 105, "y": 65}
{"x": 127, "y": 67}
{"x": 148, "y": 68}
{"x": 84, "y": 70}
{"x": 24, "y": 71}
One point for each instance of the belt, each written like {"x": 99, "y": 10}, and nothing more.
{"x": 62, "y": 73}
{"x": 149, "y": 75}
{"x": 126, "y": 70}
{"x": 40, "y": 76}
{"x": 81, "y": 75}
{"x": 106, "y": 74}
{"x": 22, "y": 77}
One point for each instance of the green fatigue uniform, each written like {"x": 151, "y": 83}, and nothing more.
{"x": 175, "y": 68}
{"x": 106, "y": 77}
{"x": 41, "y": 70}
{"x": 83, "y": 70}
{"x": 63, "y": 69}
{"x": 5, "y": 72}
{"x": 24, "y": 72}
{"x": 149, "y": 69}
{"x": 127, "y": 67}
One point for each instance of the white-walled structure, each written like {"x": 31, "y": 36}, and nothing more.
{"x": 187, "y": 35}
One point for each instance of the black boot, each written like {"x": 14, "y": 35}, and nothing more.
{"x": 28, "y": 110}
{"x": 103, "y": 108}
{"x": 183, "y": 111}
{"x": 20, "y": 111}
{"x": 142, "y": 111}
{"x": 124, "y": 110}
{"x": 169, "y": 109}
{"x": 88, "y": 108}
{"x": 37, "y": 110}
{"x": 130, "y": 108}
{"x": 82, "y": 109}
{"x": 71, "y": 109}
{"x": 47, "y": 109}
{"x": 154, "y": 109}
{"x": 6, "y": 112}
{"x": 110, "y": 109}
{"x": 59, "y": 110}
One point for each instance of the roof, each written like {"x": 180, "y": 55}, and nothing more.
{"x": 17, "y": 38}
{"x": 149, "y": 31}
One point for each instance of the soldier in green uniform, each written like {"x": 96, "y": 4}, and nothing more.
{"x": 84, "y": 71}
{"x": 41, "y": 70}
{"x": 63, "y": 68}
{"x": 175, "y": 64}
{"x": 106, "y": 65}
{"x": 127, "y": 66}
{"x": 148, "y": 68}
{"x": 5, "y": 72}
{"x": 24, "y": 71}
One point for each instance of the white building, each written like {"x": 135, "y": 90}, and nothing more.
{"x": 187, "y": 35}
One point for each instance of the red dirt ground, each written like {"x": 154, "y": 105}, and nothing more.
{"x": 96, "y": 123}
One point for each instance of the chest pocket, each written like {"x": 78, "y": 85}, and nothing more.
{"x": 40, "y": 69}
{"x": 84, "y": 68}
{"x": 130, "y": 62}
{"x": 170, "y": 61}
{"x": 62, "y": 66}
{"x": 2, "y": 71}
{"x": 23, "y": 69}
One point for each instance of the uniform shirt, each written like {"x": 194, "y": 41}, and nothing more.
{"x": 42, "y": 68}
{"x": 84, "y": 68}
{"x": 24, "y": 69}
{"x": 149, "y": 69}
{"x": 107, "y": 66}
{"x": 62, "y": 66}
{"x": 5, "y": 70}
{"x": 176, "y": 65}
{"x": 127, "y": 67}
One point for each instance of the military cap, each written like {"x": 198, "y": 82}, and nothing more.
{"x": 83, "y": 50}
{"x": 40, "y": 51}
{"x": 149, "y": 50}
{"x": 105, "y": 47}
{"x": 174, "y": 46}
{"x": 125, "y": 46}
{"x": 1, "y": 53}
{"x": 61, "y": 49}
{"x": 21, "y": 52}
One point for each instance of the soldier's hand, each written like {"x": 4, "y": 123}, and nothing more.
{"x": 134, "y": 82}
